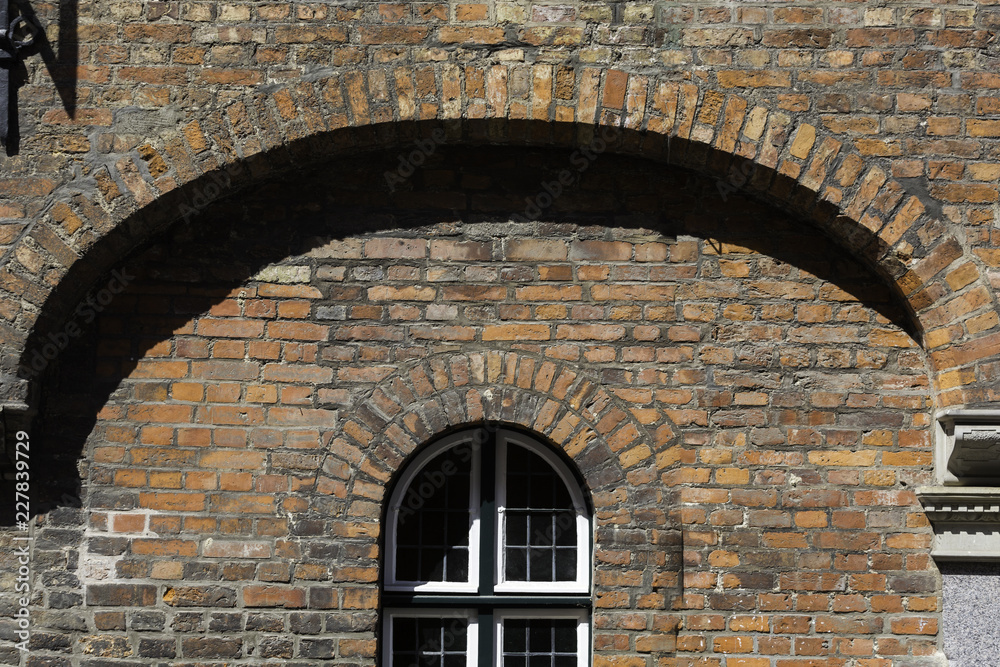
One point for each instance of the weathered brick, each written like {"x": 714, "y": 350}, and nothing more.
{"x": 200, "y": 596}
{"x": 121, "y": 595}
{"x": 274, "y": 596}
{"x": 780, "y": 396}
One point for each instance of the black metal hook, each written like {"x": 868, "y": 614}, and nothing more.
{"x": 29, "y": 37}
{"x": 15, "y": 34}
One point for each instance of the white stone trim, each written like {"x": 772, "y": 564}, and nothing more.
{"x": 962, "y": 421}
{"x": 966, "y": 521}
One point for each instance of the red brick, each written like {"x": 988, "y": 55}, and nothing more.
{"x": 274, "y": 596}
{"x": 234, "y": 328}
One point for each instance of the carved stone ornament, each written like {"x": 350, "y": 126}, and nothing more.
{"x": 967, "y": 448}
{"x": 964, "y": 506}
{"x": 966, "y": 522}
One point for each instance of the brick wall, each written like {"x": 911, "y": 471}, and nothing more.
{"x": 743, "y": 401}
{"x": 884, "y": 116}
{"x": 755, "y": 248}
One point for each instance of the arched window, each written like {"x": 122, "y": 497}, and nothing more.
{"x": 488, "y": 557}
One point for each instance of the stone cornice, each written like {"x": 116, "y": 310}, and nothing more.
{"x": 966, "y": 521}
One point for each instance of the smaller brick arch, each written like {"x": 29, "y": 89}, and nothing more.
{"x": 619, "y": 451}
{"x": 612, "y": 443}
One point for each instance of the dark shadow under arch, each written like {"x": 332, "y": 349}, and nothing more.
{"x": 391, "y": 144}
{"x": 265, "y": 220}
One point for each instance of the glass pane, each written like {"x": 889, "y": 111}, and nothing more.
{"x": 432, "y": 569}
{"x": 566, "y": 563}
{"x": 543, "y": 528}
{"x": 458, "y": 527}
{"x": 539, "y": 514}
{"x": 517, "y": 529}
{"x": 429, "y": 636}
{"x": 433, "y": 521}
{"x": 565, "y": 529}
{"x": 407, "y": 562}
{"x": 405, "y": 631}
{"x": 517, "y": 565}
{"x": 429, "y": 642}
{"x": 515, "y": 633}
{"x": 565, "y": 636}
{"x": 540, "y": 565}
{"x": 435, "y": 531}
{"x": 539, "y": 642}
{"x": 458, "y": 565}
{"x": 540, "y": 637}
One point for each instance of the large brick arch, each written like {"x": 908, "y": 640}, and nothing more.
{"x": 835, "y": 444}
{"x": 745, "y": 144}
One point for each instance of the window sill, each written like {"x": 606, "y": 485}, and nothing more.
{"x": 429, "y": 600}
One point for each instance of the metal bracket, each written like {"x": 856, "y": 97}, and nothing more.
{"x": 15, "y": 35}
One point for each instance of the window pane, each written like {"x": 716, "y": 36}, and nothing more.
{"x": 517, "y": 565}
{"x": 458, "y": 565}
{"x": 539, "y": 514}
{"x": 564, "y": 636}
{"x": 540, "y": 637}
{"x": 566, "y": 563}
{"x": 564, "y": 529}
{"x": 433, "y": 521}
{"x": 515, "y": 635}
{"x": 429, "y": 642}
{"x": 539, "y": 642}
{"x": 517, "y": 529}
{"x": 540, "y": 565}
{"x": 407, "y": 564}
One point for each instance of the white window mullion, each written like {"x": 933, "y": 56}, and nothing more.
{"x": 500, "y": 496}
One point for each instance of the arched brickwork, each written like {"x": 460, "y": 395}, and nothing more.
{"x": 202, "y": 499}
{"x": 745, "y": 144}
{"x": 620, "y": 452}
{"x": 610, "y": 441}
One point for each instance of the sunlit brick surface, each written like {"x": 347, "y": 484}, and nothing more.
{"x": 742, "y": 400}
